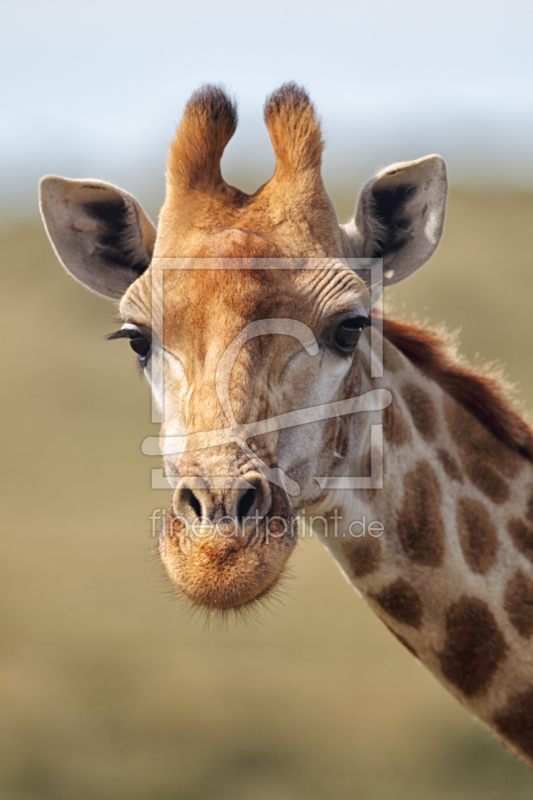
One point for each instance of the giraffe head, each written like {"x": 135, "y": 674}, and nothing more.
{"x": 229, "y": 337}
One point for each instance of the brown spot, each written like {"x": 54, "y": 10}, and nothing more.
{"x": 395, "y": 428}
{"x": 449, "y": 465}
{"x": 477, "y": 534}
{"x": 474, "y": 646}
{"x": 420, "y": 524}
{"x": 522, "y": 536}
{"x": 485, "y": 478}
{"x": 402, "y": 602}
{"x": 475, "y": 440}
{"x": 508, "y": 462}
{"x": 404, "y": 642}
{"x": 515, "y": 722}
{"x": 422, "y": 410}
{"x": 519, "y": 603}
{"x": 364, "y": 557}
{"x": 482, "y": 454}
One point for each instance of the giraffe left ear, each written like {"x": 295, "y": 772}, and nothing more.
{"x": 400, "y": 217}
{"x": 100, "y": 233}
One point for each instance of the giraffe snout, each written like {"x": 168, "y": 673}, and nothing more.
{"x": 226, "y": 540}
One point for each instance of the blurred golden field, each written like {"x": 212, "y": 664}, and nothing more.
{"x": 108, "y": 688}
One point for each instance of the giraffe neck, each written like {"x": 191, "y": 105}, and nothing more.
{"x": 449, "y": 565}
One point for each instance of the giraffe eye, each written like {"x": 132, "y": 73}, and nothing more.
{"x": 140, "y": 342}
{"x": 140, "y": 345}
{"x": 348, "y": 333}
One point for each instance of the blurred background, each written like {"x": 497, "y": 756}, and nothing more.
{"x": 108, "y": 687}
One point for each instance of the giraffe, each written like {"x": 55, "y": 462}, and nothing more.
{"x": 451, "y": 571}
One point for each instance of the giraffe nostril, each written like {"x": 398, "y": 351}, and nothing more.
{"x": 245, "y": 503}
{"x": 189, "y": 498}
{"x": 256, "y": 499}
{"x": 210, "y": 499}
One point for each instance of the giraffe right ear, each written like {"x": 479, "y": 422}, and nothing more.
{"x": 100, "y": 233}
{"x": 400, "y": 217}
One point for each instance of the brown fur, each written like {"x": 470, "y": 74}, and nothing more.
{"x": 477, "y": 534}
{"x": 485, "y": 478}
{"x": 364, "y": 557}
{"x": 474, "y": 646}
{"x": 395, "y": 428}
{"x": 483, "y": 455}
{"x": 519, "y": 603}
{"x": 401, "y": 602}
{"x": 420, "y": 524}
{"x": 449, "y": 465}
{"x": 422, "y": 410}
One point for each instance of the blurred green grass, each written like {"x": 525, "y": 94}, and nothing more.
{"x": 107, "y": 688}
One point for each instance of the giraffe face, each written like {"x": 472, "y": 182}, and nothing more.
{"x": 281, "y": 342}
{"x": 229, "y": 339}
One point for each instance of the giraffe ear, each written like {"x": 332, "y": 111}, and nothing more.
{"x": 100, "y": 233}
{"x": 400, "y": 217}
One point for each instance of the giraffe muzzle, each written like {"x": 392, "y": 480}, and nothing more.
{"x": 226, "y": 540}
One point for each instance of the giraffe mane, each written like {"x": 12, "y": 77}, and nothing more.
{"x": 479, "y": 388}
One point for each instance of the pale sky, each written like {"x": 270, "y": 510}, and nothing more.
{"x": 96, "y": 88}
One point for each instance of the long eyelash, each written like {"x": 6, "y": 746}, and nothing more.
{"x": 123, "y": 333}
